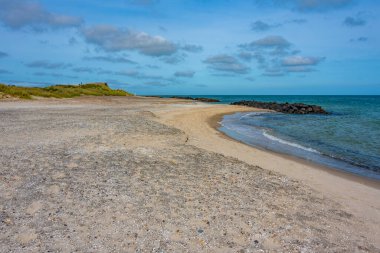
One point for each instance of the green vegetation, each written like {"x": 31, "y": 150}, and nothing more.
{"x": 61, "y": 91}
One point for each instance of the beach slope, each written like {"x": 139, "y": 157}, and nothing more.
{"x": 146, "y": 174}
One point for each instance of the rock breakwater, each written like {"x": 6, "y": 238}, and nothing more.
{"x": 296, "y": 108}
{"x": 208, "y": 100}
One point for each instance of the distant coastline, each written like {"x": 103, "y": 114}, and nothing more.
{"x": 8, "y": 91}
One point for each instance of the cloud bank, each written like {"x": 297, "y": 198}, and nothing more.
{"x": 192, "y": 48}
{"x": 276, "y": 56}
{"x": 274, "y": 42}
{"x": 354, "y": 21}
{"x": 261, "y": 26}
{"x": 320, "y": 4}
{"x": 17, "y": 14}
{"x": 114, "y": 39}
{"x": 226, "y": 63}
{"x": 307, "y": 5}
{"x": 301, "y": 61}
{"x": 48, "y": 65}
{"x": 109, "y": 59}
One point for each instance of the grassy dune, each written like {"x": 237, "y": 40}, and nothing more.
{"x": 61, "y": 91}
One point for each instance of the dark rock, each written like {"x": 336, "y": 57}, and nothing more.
{"x": 296, "y": 108}
{"x": 208, "y": 100}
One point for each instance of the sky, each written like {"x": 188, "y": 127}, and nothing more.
{"x": 198, "y": 47}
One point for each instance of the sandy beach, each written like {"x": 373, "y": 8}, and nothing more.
{"x": 135, "y": 174}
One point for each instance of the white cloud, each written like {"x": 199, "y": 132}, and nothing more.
{"x": 84, "y": 70}
{"x": 301, "y": 61}
{"x": 246, "y": 56}
{"x": 320, "y": 4}
{"x": 275, "y": 42}
{"x": 276, "y": 56}
{"x": 111, "y": 38}
{"x": 109, "y": 59}
{"x": 307, "y": 5}
{"x": 261, "y": 26}
{"x": 173, "y": 59}
{"x": 48, "y": 65}
{"x": 354, "y": 21}
{"x": 17, "y": 14}
{"x": 298, "y": 69}
{"x": 54, "y": 75}
{"x": 226, "y": 63}
{"x": 192, "y": 48}
{"x": 138, "y": 75}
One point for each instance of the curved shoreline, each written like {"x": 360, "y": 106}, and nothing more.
{"x": 215, "y": 120}
{"x": 356, "y": 194}
{"x": 156, "y": 169}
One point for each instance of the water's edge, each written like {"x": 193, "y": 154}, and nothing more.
{"x": 347, "y": 139}
{"x": 263, "y": 139}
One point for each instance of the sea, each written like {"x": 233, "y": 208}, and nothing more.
{"x": 347, "y": 139}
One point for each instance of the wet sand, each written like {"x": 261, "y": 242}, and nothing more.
{"x": 147, "y": 174}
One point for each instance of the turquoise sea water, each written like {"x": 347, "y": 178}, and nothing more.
{"x": 347, "y": 139}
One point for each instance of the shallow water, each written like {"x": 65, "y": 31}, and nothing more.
{"x": 347, "y": 139}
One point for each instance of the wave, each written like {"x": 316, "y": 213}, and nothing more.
{"x": 292, "y": 144}
{"x": 238, "y": 127}
{"x": 265, "y": 134}
{"x": 252, "y": 113}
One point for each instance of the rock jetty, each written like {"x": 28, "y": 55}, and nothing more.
{"x": 296, "y": 108}
{"x": 208, "y": 100}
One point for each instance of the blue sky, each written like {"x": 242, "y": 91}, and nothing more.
{"x": 194, "y": 46}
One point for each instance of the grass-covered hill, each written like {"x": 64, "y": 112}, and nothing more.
{"x": 60, "y": 91}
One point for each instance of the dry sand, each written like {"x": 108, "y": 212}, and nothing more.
{"x": 153, "y": 175}
{"x": 359, "y": 195}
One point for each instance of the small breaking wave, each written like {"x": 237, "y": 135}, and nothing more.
{"x": 240, "y": 127}
{"x": 250, "y": 114}
{"x": 292, "y": 144}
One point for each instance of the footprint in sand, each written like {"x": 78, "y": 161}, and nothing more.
{"x": 34, "y": 207}
{"x": 26, "y": 236}
{"x": 72, "y": 165}
{"x": 54, "y": 189}
{"x": 58, "y": 175}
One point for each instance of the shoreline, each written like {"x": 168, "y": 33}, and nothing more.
{"x": 214, "y": 122}
{"x": 357, "y": 195}
{"x": 161, "y": 176}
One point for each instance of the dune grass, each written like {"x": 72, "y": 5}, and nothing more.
{"x": 62, "y": 91}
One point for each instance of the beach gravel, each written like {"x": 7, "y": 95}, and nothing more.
{"x": 102, "y": 175}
